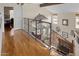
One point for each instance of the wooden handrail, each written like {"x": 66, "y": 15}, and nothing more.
{"x": 64, "y": 42}
{"x": 61, "y": 36}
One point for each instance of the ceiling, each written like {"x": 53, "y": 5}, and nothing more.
{"x": 49, "y": 4}
{"x": 64, "y": 8}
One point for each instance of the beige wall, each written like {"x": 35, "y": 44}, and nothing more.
{"x": 32, "y": 10}
{"x": 71, "y": 24}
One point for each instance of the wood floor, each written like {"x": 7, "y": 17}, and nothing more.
{"x": 7, "y": 43}
{"x": 22, "y": 45}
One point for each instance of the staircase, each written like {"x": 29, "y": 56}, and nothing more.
{"x": 49, "y": 39}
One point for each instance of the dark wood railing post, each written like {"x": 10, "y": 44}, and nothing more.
{"x": 28, "y": 25}
{"x": 50, "y": 35}
{"x": 36, "y": 27}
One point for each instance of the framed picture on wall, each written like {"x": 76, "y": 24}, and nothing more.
{"x": 65, "y": 34}
{"x": 65, "y": 22}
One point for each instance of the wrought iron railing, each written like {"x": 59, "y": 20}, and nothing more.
{"x": 39, "y": 29}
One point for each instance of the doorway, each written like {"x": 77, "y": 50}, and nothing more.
{"x": 8, "y": 18}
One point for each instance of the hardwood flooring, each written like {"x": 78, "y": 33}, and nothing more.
{"x": 22, "y": 44}
{"x": 7, "y": 43}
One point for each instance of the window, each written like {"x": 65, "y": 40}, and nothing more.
{"x": 55, "y": 19}
{"x": 77, "y": 21}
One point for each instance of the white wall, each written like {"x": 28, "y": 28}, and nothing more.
{"x": 18, "y": 17}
